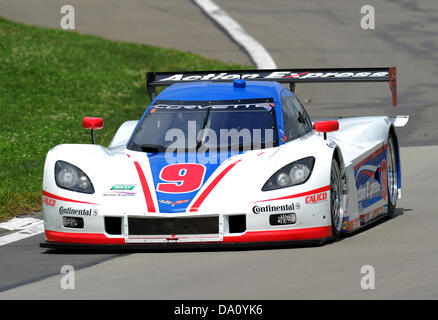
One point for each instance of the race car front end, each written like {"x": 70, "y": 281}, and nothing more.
{"x": 234, "y": 207}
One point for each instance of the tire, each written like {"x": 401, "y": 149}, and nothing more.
{"x": 335, "y": 199}
{"x": 391, "y": 176}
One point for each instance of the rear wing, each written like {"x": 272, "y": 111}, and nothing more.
{"x": 291, "y": 76}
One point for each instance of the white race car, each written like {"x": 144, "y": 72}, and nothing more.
{"x": 225, "y": 157}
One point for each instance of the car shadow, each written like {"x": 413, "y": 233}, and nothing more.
{"x": 169, "y": 248}
{"x": 377, "y": 222}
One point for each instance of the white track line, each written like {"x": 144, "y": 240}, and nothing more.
{"x": 25, "y": 227}
{"x": 255, "y": 50}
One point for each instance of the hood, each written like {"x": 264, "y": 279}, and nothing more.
{"x": 177, "y": 184}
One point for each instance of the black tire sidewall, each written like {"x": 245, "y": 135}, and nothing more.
{"x": 335, "y": 233}
{"x": 391, "y": 206}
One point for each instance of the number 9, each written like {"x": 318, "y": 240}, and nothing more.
{"x": 181, "y": 178}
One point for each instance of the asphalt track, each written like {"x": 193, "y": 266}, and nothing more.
{"x": 403, "y": 250}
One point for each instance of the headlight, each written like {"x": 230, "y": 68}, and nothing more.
{"x": 297, "y": 172}
{"x": 70, "y": 177}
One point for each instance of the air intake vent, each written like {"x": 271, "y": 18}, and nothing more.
{"x": 113, "y": 225}
{"x": 171, "y": 226}
{"x": 237, "y": 224}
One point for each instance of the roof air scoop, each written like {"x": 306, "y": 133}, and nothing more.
{"x": 239, "y": 83}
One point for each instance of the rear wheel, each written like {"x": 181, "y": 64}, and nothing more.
{"x": 335, "y": 199}
{"x": 391, "y": 176}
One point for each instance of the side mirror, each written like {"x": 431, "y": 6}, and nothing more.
{"x": 326, "y": 126}
{"x": 92, "y": 123}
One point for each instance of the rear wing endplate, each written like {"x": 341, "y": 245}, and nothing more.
{"x": 400, "y": 121}
{"x": 291, "y": 76}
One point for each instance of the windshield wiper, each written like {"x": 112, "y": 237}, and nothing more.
{"x": 199, "y": 143}
{"x": 152, "y": 148}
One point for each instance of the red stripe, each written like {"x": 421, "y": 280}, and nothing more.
{"x": 307, "y": 193}
{"x": 146, "y": 191}
{"x": 88, "y": 238}
{"x": 51, "y": 195}
{"x": 282, "y": 235}
{"x": 213, "y": 184}
{"x": 250, "y": 236}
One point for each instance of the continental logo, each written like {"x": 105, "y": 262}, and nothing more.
{"x": 78, "y": 212}
{"x": 276, "y": 209}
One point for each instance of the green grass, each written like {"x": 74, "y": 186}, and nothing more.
{"x": 50, "y": 80}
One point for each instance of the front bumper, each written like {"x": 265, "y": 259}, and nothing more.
{"x": 277, "y": 238}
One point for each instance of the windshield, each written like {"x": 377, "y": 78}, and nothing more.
{"x": 193, "y": 125}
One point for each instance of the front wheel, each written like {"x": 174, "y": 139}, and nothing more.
{"x": 335, "y": 199}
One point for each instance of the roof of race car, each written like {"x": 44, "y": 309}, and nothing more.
{"x": 210, "y": 91}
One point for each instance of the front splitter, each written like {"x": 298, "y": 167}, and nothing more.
{"x": 183, "y": 246}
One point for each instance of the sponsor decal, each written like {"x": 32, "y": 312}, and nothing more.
{"x": 119, "y": 194}
{"x": 174, "y": 203}
{"x": 370, "y": 158}
{"x": 371, "y": 215}
{"x": 345, "y": 222}
{"x": 282, "y": 219}
{"x": 123, "y": 187}
{"x": 280, "y": 208}
{"x": 49, "y": 202}
{"x": 269, "y": 107}
{"x": 369, "y": 190}
{"x": 120, "y": 190}
{"x": 78, "y": 212}
{"x": 316, "y": 198}
{"x": 251, "y": 106}
{"x": 354, "y": 224}
{"x": 370, "y": 176}
{"x": 283, "y": 137}
{"x": 54, "y": 196}
{"x": 299, "y": 195}
{"x": 354, "y": 74}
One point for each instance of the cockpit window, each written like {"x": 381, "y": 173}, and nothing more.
{"x": 296, "y": 120}
{"x": 223, "y": 125}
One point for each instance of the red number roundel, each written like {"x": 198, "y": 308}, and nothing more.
{"x": 181, "y": 177}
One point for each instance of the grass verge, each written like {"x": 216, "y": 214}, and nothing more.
{"x": 51, "y": 79}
